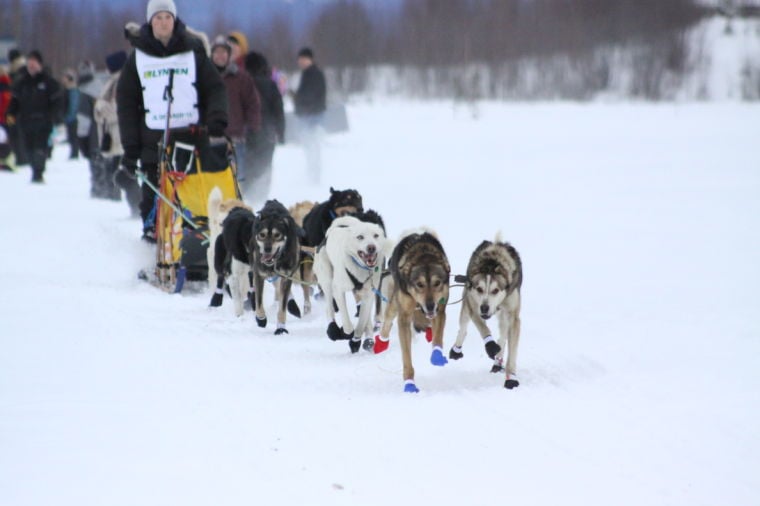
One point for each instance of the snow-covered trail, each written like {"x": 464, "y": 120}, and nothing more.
{"x": 638, "y": 228}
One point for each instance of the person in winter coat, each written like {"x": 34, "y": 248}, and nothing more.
{"x": 71, "y": 107}
{"x": 161, "y": 45}
{"x": 243, "y": 101}
{"x": 87, "y": 131}
{"x": 109, "y": 138}
{"x": 16, "y": 70}
{"x": 35, "y": 105}
{"x": 310, "y": 105}
{"x": 261, "y": 146}
{"x": 5, "y": 100}
{"x": 239, "y": 46}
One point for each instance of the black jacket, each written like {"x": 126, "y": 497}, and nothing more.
{"x": 311, "y": 97}
{"x": 140, "y": 142}
{"x": 272, "y": 112}
{"x": 36, "y": 101}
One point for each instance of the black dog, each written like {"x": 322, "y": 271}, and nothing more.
{"x": 319, "y": 219}
{"x": 232, "y": 255}
{"x": 275, "y": 255}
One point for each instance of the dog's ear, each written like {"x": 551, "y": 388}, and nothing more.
{"x": 332, "y": 191}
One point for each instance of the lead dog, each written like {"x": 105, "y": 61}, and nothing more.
{"x": 350, "y": 260}
{"x": 492, "y": 285}
{"x": 275, "y": 256}
{"x": 419, "y": 285}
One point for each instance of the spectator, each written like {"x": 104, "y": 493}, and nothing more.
{"x": 71, "y": 107}
{"x": 17, "y": 65}
{"x": 35, "y": 104}
{"x": 5, "y": 99}
{"x": 109, "y": 138}
{"x": 239, "y": 47}
{"x": 262, "y": 145}
{"x": 244, "y": 106}
{"x": 311, "y": 103}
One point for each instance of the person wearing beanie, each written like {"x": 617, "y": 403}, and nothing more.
{"x": 36, "y": 101}
{"x": 156, "y": 6}
{"x": 239, "y": 47}
{"x": 111, "y": 182}
{"x": 70, "y": 108}
{"x": 161, "y": 45}
{"x": 244, "y": 106}
{"x": 310, "y": 105}
{"x": 261, "y": 149}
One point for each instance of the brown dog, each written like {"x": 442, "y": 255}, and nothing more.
{"x": 419, "y": 284}
{"x": 305, "y": 274}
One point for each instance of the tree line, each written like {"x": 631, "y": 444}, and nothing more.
{"x": 428, "y": 36}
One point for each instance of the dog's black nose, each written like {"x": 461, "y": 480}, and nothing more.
{"x": 484, "y": 309}
{"x": 430, "y": 307}
{"x": 371, "y": 249}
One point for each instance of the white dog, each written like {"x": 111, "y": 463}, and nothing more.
{"x": 351, "y": 260}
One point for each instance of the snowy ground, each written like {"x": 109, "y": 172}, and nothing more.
{"x": 639, "y": 228}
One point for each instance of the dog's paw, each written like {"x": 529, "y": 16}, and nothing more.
{"x": 410, "y": 387}
{"x": 293, "y": 308}
{"x": 354, "y": 343}
{"x": 280, "y": 331}
{"x": 368, "y": 344}
{"x": 455, "y": 353}
{"x": 261, "y": 322}
{"x": 492, "y": 349}
{"x": 429, "y": 335}
{"x": 497, "y": 368}
{"x": 334, "y": 332}
{"x": 437, "y": 358}
{"x": 216, "y": 300}
{"x": 511, "y": 383}
{"x": 381, "y": 344}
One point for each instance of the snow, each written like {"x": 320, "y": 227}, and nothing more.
{"x": 638, "y": 230}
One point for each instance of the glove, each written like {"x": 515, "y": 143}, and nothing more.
{"x": 129, "y": 165}
{"x": 215, "y": 131}
{"x": 10, "y": 120}
{"x": 126, "y": 173}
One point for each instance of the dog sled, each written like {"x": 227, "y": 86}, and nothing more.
{"x": 192, "y": 165}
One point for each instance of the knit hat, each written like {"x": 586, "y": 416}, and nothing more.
{"x": 156, "y": 6}
{"x": 13, "y": 54}
{"x": 306, "y": 52}
{"x": 34, "y": 55}
{"x": 221, "y": 41}
{"x": 239, "y": 39}
{"x": 256, "y": 64}
{"x": 115, "y": 61}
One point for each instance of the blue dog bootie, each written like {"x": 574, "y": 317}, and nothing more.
{"x": 410, "y": 387}
{"x": 437, "y": 358}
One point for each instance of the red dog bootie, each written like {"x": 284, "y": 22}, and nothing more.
{"x": 381, "y": 344}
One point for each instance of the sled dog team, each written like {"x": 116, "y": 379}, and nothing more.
{"x": 342, "y": 249}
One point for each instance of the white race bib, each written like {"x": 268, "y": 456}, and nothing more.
{"x": 154, "y": 77}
